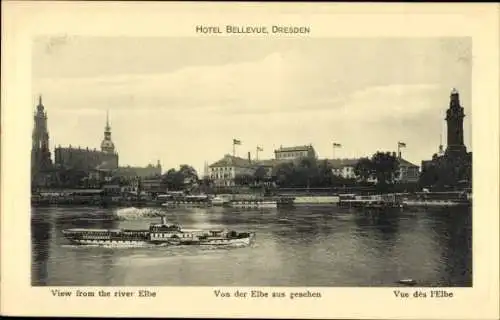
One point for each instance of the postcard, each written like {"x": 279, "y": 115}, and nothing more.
{"x": 250, "y": 160}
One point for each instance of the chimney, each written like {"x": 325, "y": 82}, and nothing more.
{"x": 394, "y": 154}
{"x": 164, "y": 221}
{"x": 249, "y": 158}
{"x": 399, "y": 155}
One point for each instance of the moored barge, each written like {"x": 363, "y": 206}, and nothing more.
{"x": 158, "y": 234}
{"x": 385, "y": 201}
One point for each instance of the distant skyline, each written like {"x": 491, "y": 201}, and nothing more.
{"x": 183, "y": 100}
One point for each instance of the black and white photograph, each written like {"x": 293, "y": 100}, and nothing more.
{"x": 258, "y": 162}
{"x": 250, "y": 160}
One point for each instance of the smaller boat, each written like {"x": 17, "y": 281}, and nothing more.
{"x": 253, "y": 203}
{"x": 408, "y": 282}
{"x": 220, "y": 201}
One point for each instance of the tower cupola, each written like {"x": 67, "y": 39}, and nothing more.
{"x": 107, "y": 144}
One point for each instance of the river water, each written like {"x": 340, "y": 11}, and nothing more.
{"x": 315, "y": 246}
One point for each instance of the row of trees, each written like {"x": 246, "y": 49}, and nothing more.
{"x": 183, "y": 178}
{"x": 382, "y": 167}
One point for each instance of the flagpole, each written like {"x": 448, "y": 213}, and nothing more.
{"x": 400, "y": 145}
{"x": 335, "y": 145}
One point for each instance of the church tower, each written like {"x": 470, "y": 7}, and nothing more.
{"x": 455, "y": 125}
{"x": 107, "y": 145}
{"x": 40, "y": 152}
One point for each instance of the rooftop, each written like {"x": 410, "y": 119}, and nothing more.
{"x": 230, "y": 161}
{"x": 295, "y": 148}
{"x": 340, "y": 163}
{"x": 105, "y": 166}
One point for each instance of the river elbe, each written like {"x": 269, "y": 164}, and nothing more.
{"x": 303, "y": 246}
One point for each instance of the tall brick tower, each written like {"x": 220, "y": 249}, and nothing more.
{"x": 455, "y": 125}
{"x": 40, "y": 152}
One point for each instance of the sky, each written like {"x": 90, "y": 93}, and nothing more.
{"x": 183, "y": 100}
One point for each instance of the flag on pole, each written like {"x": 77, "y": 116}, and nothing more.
{"x": 337, "y": 145}
{"x": 401, "y": 145}
{"x": 236, "y": 142}
{"x": 259, "y": 148}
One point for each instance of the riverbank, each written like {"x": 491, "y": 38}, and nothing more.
{"x": 424, "y": 199}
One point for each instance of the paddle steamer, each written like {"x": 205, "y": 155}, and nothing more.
{"x": 157, "y": 234}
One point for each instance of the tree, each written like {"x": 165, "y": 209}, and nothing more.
{"x": 189, "y": 173}
{"x": 308, "y": 172}
{"x": 283, "y": 173}
{"x": 429, "y": 176}
{"x": 364, "y": 169}
{"x": 260, "y": 174}
{"x": 177, "y": 180}
{"x": 172, "y": 180}
{"x": 325, "y": 174}
{"x": 385, "y": 167}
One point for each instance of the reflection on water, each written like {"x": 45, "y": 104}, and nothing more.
{"x": 294, "y": 247}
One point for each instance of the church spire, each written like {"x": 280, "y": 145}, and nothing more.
{"x": 108, "y": 128}
{"x": 107, "y": 145}
{"x": 39, "y": 107}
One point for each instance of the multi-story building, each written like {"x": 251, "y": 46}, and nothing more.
{"x": 87, "y": 159}
{"x": 343, "y": 167}
{"x": 292, "y": 153}
{"x": 152, "y": 185}
{"x": 84, "y": 158}
{"x": 224, "y": 171}
{"x": 408, "y": 172}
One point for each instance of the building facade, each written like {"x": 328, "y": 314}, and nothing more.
{"x": 408, "y": 172}
{"x": 343, "y": 167}
{"x": 84, "y": 158}
{"x": 87, "y": 159}
{"x": 225, "y": 171}
{"x": 292, "y": 153}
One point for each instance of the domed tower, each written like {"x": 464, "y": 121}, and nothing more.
{"x": 455, "y": 125}
{"x": 107, "y": 145}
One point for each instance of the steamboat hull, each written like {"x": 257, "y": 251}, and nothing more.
{"x": 210, "y": 242}
{"x": 139, "y": 238}
{"x": 108, "y": 243}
